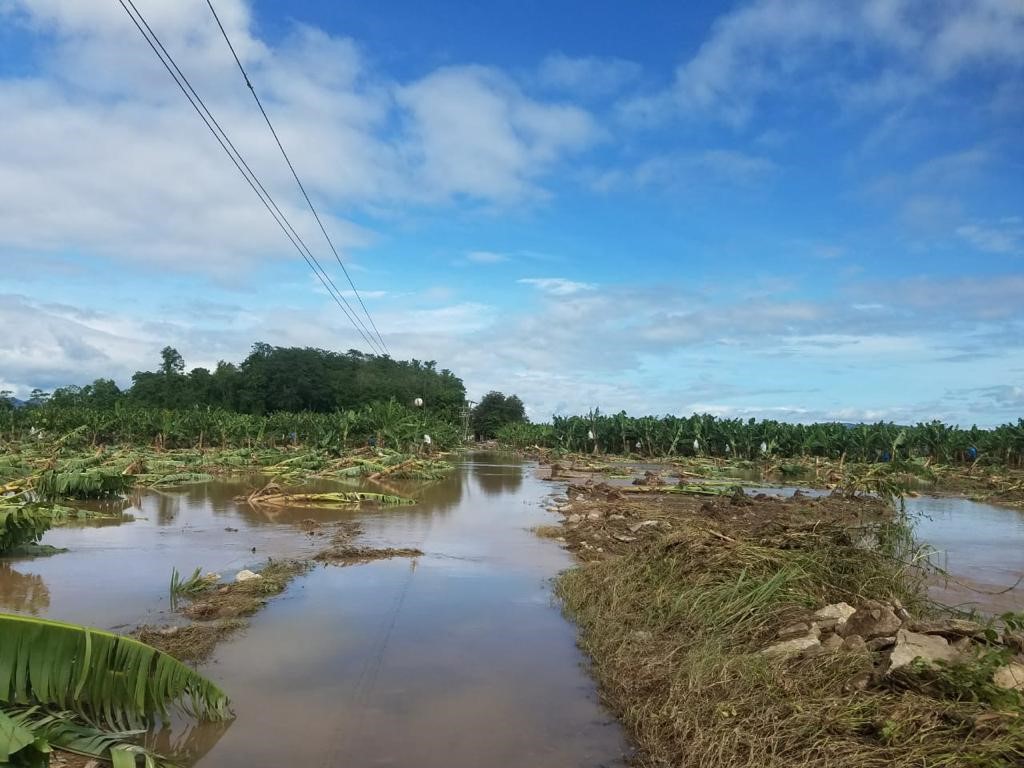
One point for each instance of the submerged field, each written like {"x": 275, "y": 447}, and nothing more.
{"x": 402, "y": 609}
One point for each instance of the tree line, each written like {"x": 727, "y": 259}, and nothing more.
{"x": 273, "y": 379}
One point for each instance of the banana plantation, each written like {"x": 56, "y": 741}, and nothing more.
{"x": 389, "y": 424}
{"x": 706, "y": 435}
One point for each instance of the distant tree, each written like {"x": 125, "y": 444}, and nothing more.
{"x": 38, "y": 398}
{"x": 6, "y": 400}
{"x": 172, "y": 362}
{"x": 494, "y": 411}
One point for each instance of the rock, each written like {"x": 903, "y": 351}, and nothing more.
{"x": 948, "y": 628}
{"x": 168, "y": 631}
{"x": 616, "y": 517}
{"x": 795, "y": 630}
{"x": 792, "y": 647}
{"x": 593, "y": 515}
{"x": 858, "y": 682}
{"x": 574, "y": 518}
{"x": 644, "y": 524}
{"x": 827, "y": 625}
{"x": 913, "y": 645}
{"x": 246, "y": 575}
{"x": 872, "y": 620}
{"x": 642, "y": 636}
{"x": 623, "y": 538}
{"x": 832, "y": 642}
{"x": 839, "y": 612}
{"x": 853, "y": 643}
{"x": 1011, "y": 676}
{"x": 223, "y": 590}
{"x": 880, "y": 643}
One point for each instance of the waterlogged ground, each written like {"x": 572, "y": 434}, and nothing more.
{"x": 456, "y": 658}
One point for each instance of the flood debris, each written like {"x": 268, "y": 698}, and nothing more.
{"x": 751, "y": 631}
{"x": 343, "y": 551}
{"x": 193, "y": 642}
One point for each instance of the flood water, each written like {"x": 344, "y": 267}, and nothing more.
{"x": 980, "y": 546}
{"x": 458, "y": 658}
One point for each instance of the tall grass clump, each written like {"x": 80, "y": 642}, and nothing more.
{"x": 675, "y": 631}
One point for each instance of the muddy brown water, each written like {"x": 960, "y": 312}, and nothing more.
{"x": 456, "y": 658}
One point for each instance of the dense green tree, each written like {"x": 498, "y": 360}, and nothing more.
{"x": 495, "y": 411}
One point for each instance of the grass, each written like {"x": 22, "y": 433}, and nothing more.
{"x": 674, "y": 626}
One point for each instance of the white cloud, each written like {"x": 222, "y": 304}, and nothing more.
{"x": 486, "y": 257}
{"x": 774, "y": 46}
{"x": 587, "y": 75}
{"x": 557, "y": 286}
{"x": 473, "y": 132}
{"x": 104, "y": 155}
{"x": 1003, "y": 236}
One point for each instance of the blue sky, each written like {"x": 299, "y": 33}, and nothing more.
{"x": 801, "y": 209}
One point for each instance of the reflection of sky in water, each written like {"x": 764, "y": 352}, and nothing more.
{"x": 983, "y": 542}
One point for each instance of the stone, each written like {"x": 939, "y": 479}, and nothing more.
{"x": 791, "y": 647}
{"x": 948, "y": 628}
{"x": 871, "y": 620}
{"x": 827, "y": 625}
{"x": 858, "y": 682}
{"x": 246, "y": 575}
{"x": 573, "y": 519}
{"x": 794, "y": 630}
{"x": 880, "y": 643}
{"x": 644, "y": 524}
{"x": 593, "y": 515}
{"x": 616, "y": 516}
{"x": 1011, "y": 676}
{"x": 839, "y": 612}
{"x": 853, "y": 643}
{"x": 913, "y": 645}
{"x": 832, "y": 642}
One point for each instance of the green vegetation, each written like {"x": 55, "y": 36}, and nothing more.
{"x": 273, "y": 379}
{"x": 496, "y": 411}
{"x": 90, "y": 692}
{"x": 705, "y": 435}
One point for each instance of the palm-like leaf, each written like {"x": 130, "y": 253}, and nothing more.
{"x": 106, "y": 677}
{"x": 66, "y": 731}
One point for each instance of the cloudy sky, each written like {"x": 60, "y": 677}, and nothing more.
{"x": 800, "y": 209}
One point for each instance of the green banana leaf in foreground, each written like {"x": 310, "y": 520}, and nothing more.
{"x": 107, "y": 678}
{"x": 28, "y": 734}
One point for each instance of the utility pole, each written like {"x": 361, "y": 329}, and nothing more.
{"x": 467, "y": 410}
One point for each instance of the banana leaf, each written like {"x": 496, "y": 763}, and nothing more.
{"x": 67, "y": 731}
{"x": 20, "y": 746}
{"x": 341, "y": 498}
{"x": 107, "y": 678}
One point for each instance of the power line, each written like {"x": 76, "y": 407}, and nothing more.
{"x": 291, "y": 167}
{"x": 243, "y": 167}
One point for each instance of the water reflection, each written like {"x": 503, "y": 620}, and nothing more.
{"x": 494, "y": 476}
{"x": 22, "y": 592}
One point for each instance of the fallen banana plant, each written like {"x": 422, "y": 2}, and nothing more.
{"x": 21, "y": 525}
{"x": 271, "y": 495}
{"x": 106, "y": 678}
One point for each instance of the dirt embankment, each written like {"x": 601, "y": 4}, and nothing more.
{"x": 754, "y": 631}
